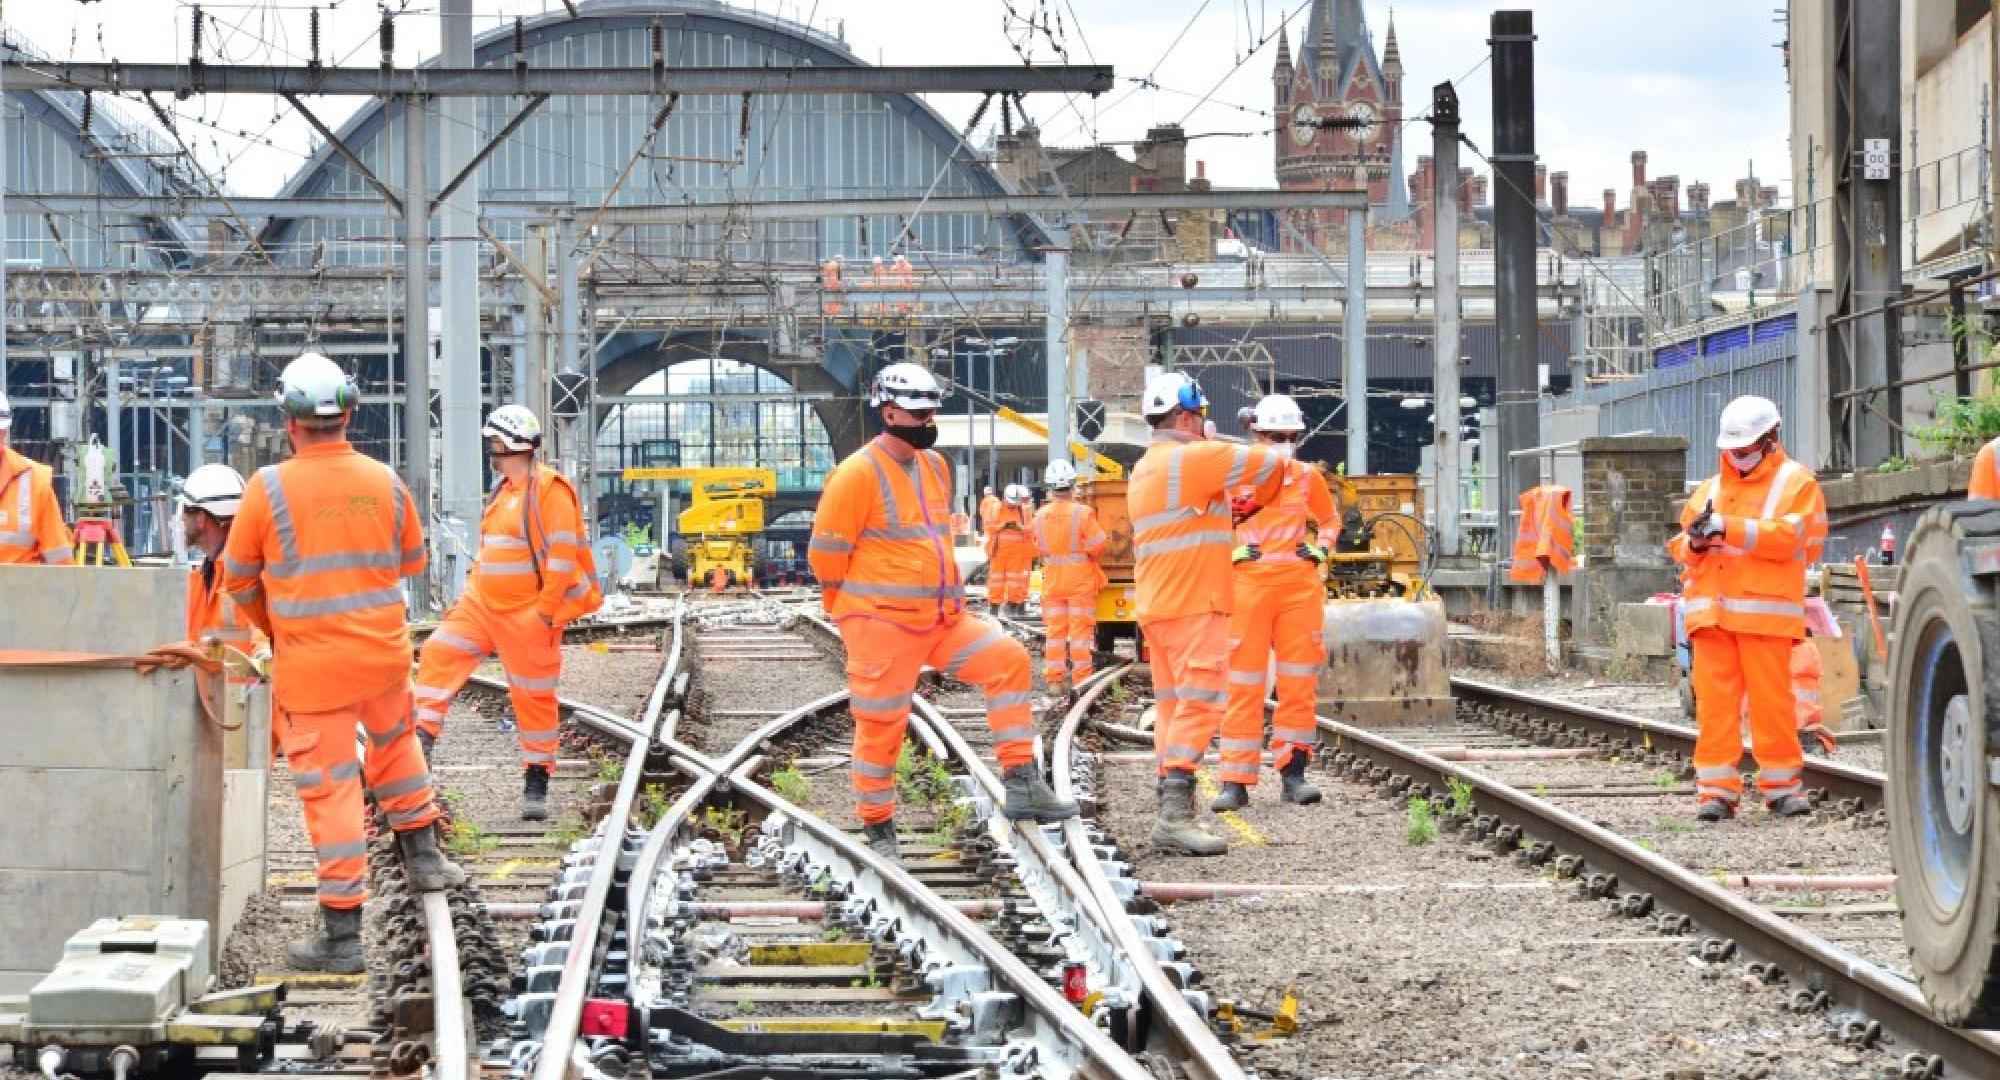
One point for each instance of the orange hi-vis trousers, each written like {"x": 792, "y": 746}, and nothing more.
{"x": 1071, "y": 622}
{"x": 1284, "y": 614}
{"x": 883, "y": 661}
{"x": 320, "y": 748}
{"x": 1731, "y": 669}
{"x": 1007, "y": 574}
{"x": 1190, "y": 657}
{"x": 530, "y": 651}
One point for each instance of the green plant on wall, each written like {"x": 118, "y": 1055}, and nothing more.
{"x": 1963, "y": 425}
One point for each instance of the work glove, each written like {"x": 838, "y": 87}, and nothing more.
{"x": 1311, "y": 553}
{"x": 1709, "y": 525}
{"x": 1245, "y": 553}
{"x": 261, "y": 661}
{"x": 1241, "y": 507}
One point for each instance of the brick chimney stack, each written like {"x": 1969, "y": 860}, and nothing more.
{"x": 1468, "y": 192}
{"x": 1638, "y": 168}
{"x": 1541, "y": 184}
{"x": 1479, "y": 189}
{"x": 1559, "y": 193}
{"x": 1698, "y": 198}
{"x": 1610, "y": 207}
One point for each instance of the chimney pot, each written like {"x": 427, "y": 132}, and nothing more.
{"x": 1638, "y": 168}
{"x": 1559, "y": 193}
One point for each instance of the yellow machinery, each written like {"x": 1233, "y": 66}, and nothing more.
{"x": 726, "y": 515}
{"x": 1384, "y": 629}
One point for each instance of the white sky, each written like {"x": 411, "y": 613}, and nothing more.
{"x": 1699, "y": 84}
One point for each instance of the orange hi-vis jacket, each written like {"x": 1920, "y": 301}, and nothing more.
{"x": 1012, "y": 546}
{"x": 1279, "y": 527}
{"x": 989, "y": 509}
{"x": 31, "y": 522}
{"x": 212, "y": 617}
{"x": 1752, "y": 579}
{"x": 316, "y": 558}
{"x": 530, "y": 539}
{"x": 1182, "y": 531}
{"x": 1986, "y": 473}
{"x": 881, "y": 540}
{"x": 1547, "y": 534}
{"x": 1068, "y": 537}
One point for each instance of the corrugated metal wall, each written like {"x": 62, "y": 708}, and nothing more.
{"x": 1687, "y": 398}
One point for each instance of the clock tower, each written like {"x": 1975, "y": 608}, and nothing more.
{"x": 1340, "y": 111}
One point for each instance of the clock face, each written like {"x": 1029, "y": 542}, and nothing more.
{"x": 1367, "y": 122}
{"x": 1304, "y": 125}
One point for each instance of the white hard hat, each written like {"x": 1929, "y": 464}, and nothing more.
{"x": 1016, "y": 494}
{"x": 1277, "y": 412}
{"x": 1172, "y": 390}
{"x": 313, "y": 386}
{"x": 214, "y": 487}
{"x": 1744, "y": 421}
{"x": 989, "y": 489}
{"x": 6, "y": 412}
{"x": 908, "y": 386}
{"x": 515, "y": 426}
{"x": 1060, "y": 475}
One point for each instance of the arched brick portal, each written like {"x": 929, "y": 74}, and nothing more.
{"x": 630, "y": 358}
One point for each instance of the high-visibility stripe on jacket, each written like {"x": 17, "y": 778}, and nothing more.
{"x": 31, "y": 522}
{"x": 1547, "y": 534}
{"x": 1068, "y": 538}
{"x": 1182, "y": 531}
{"x": 317, "y": 557}
{"x": 212, "y": 617}
{"x": 881, "y": 540}
{"x": 1752, "y": 579}
{"x": 1986, "y": 473}
{"x": 1280, "y": 527}
{"x": 530, "y": 538}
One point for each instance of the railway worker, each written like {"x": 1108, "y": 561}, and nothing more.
{"x": 1010, "y": 554}
{"x": 1747, "y": 535}
{"x": 1068, "y": 538}
{"x": 989, "y": 509}
{"x": 1280, "y": 607}
{"x": 315, "y": 559}
{"x": 881, "y": 551}
{"x": 528, "y": 582}
{"x": 31, "y": 521}
{"x": 210, "y": 498}
{"x": 1986, "y": 473}
{"x": 1182, "y": 532}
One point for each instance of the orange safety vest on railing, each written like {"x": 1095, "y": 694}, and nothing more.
{"x": 1547, "y": 535}
{"x": 1752, "y": 579}
{"x": 881, "y": 540}
{"x": 1068, "y": 537}
{"x": 318, "y": 555}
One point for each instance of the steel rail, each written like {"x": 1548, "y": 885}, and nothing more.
{"x": 1199, "y": 1052}
{"x": 579, "y": 963}
{"x": 450, "y": 1019}
{"x": 1806, "y": 959}
{"x": 1840, "y": 781}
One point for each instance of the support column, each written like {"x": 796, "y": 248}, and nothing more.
{"x": 416, "y": 311}
{"x": 531, "y": 368}
{"x": 1057, "y": 333}
{"x": 1354, "y": 328}
{"x": 1446, "y": 345}
{"x": 114, "y": 416}
{"x": 1513, "y": 45}
{"x": 463, "y": 475}
{"x": 1868, "y": 221}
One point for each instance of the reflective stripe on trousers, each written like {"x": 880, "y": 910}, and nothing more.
{"x": 530, "y": 653}
{"x": 1189, "y": 657}
{"x": 319, "y": 748}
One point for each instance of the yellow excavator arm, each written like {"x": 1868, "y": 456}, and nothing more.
{"x": 727, "y": 501}
{"x": 1107, "y": 469}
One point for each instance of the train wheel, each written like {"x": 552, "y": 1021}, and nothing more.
{"x": 1944, "y": 816}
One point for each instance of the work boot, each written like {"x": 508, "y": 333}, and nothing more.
{"x": 335, "y": 949}
{"x": 881, "y": 836}
{"x": 1297, "y": 788}
{"x": 427, "y": 740}
{"x": 1030, "y": 798}
{"x": 1234, "y": 796}
{"x": 535, "y": 794}
{"x": 1714, "y": 810}
{"x": 1790, "y": 806}
{"x": 1175, "y": 830}
{"x": 424, "y": 865}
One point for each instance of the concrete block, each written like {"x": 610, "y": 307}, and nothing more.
{"x": 1643, "y": 630}
{"x": 119, "y": 775}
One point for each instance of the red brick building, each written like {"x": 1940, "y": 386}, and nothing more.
{"x": 1340, "y": 110}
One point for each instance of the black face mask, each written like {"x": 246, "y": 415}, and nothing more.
{"x": 919, "y": 436}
